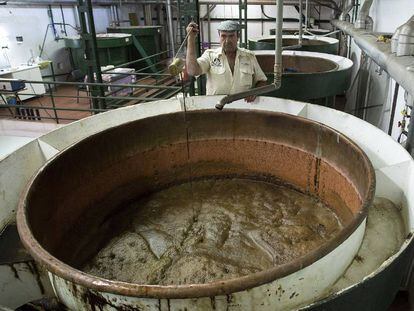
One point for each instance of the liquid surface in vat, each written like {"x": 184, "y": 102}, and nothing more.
{"x": 214, "y": 229}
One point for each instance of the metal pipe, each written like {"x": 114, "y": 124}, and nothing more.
{"x": 394, "y": 106}
{"x": 208, "y": 26}
{"x": 364, "y": 21}
{"x": 116, "y": 14}
{"x": 300, "y": 22}
{"x": 306, "y": 14}
{"x": 54, "y": 108}
{"x": 136, "y": 61}
{"x": 348, "y": 5}
{"x": 170, "y": 27}
{"x": 277, "y": 67}
{"x": 137, "y": 86}
{"x": 410, "y": 135}
{"x": 380, "y": 52}
{"x": 148, "y": 14}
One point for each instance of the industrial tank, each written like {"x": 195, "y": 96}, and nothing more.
{"x": 145, "y": 41}
{"x": 308, "y": 75}
{"x": 113, "y": 49}
{"x": 199, "y": 145}
{"x": 309, "y": 43}
{"x": 373, "y": 282}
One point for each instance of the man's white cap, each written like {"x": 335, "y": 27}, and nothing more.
{"x": 229, "y": 26}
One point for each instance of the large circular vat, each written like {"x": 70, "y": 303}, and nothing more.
{"x": 69, "y": 208}
{"x": 309, "y": 43}
{"x": 308, "y": 75}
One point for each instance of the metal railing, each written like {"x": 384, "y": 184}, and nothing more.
{"x": 148, "y": 86}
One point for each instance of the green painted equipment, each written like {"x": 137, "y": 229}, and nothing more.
{"x": 145, "y": 42}
{"x": 113, "y": 49}
{"x": 308, "y": 75}
{"x": 309, "y": 43}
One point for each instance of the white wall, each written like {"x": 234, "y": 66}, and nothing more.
{"x": 389, "y": 14}
{"x": 31, "y": 22}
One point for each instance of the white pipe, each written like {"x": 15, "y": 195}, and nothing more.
{"x": 396, "y": 67}
{"x": 364, "y": 21}
{"x": 306, "y": 14}
{"x": 170, "y": 28}
{"x": 300, "y": 22}
{"x": 348, "y": 5}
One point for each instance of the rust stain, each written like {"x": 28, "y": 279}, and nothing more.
{"x": 213, "y": 303}
{"x": 14, "y": 270}
{"x": 33, "y": 269}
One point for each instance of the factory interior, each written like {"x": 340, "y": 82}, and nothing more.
{"x": 131, "y": 181}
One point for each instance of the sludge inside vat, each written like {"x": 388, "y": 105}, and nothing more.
{"x": 81, "y": 193}
{"x": 215, "y": 229}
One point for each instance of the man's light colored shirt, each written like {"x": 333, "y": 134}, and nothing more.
{"x": 220, "y": 79}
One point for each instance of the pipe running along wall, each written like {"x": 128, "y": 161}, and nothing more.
{"x": 277, "y": 70}
{"x": 364, "y": 21}
{"x": 380, "y": 53}
{"x": 348, "y": 5}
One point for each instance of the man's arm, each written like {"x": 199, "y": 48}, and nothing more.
{"x": 258, "y": 76}
{"x": 193, "y": 68}
{"x": 260, "y": 83}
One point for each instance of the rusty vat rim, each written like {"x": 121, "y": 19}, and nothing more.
{"x": 343, "y": 63}
{"x": 325, "y": 40}
{"x": 216, "y": 288}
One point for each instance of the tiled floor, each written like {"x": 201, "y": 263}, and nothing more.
{"x": 61, "y": 102}
{"x": 71, "y": 102}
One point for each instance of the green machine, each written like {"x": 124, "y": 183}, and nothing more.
{"x": 145, "y": 42}
{"x": 113, "y": 49}
{"x": 309, "y": 43}
{"x": 308, "y": 76}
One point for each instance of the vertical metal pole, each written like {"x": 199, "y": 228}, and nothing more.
{"x": 410, "y": 135}
{"x": 91, "y": 51}
{"x": 208, "y": 26}
{"x": 116, "y": 10}
{"x": 243, "y": 22}
{"x": 53, "y": 103}
{"x": 278, "y": 43}
{"x": 306, "y": 14}
{"x": 300, "y": 21}
{"x": 148, "y": 14}
{"x": 63, "y": 20}
{"x": 52, "y": 22}
{"x": 170, "y": 27}
{"x": 393, "y": 107}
